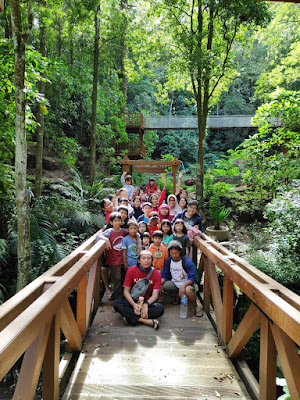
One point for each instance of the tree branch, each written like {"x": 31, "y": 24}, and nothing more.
{"x": 192, "y": 15}
{"x": 109, "y": 40}
{"x": 228, "y": 48}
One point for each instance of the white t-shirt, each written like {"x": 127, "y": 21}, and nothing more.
{"x": 179, "y": 276}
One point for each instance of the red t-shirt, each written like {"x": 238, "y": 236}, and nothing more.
{"x": 134, "y": 274}
{"x": 151, "y": 189}
{"x": 114, "y": 256}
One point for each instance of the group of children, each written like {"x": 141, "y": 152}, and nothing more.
{"x": 139, "y": 220}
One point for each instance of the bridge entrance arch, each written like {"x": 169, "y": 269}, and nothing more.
{"x": 151, "y": 167}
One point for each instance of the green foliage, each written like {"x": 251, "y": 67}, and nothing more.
{"x": 181, "y": 144}
{"x": 259, "y": 160}
{"x": 67, "y": 150}
{"x": 282, "y": 260}
{"x": 286, "y": 395}
{"x": 4, "y": 253}
{"x": 282, "y": 39}
{"x": 2, "y": 292}
{"x": 217, "y": 212}
{"x": 284, "y": 271}
{"x": 284, "y": 226}
{"x": 77, "y": 216}
{"x": 267, "y": 167}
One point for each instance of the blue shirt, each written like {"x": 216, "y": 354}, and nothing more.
{"x": 131, "y": 254}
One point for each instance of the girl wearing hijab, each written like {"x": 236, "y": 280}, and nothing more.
{"x": 164, "y": 213}
{"x": 173, "y": 204}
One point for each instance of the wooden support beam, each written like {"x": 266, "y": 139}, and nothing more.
{"x": 216, "y": 293}
{"x": 150, "y": 170}
{"x": 90, "y": 292}
{"x": 244, "y": 331}
{"x": 160, "y": 163}
{"x": 70, "y": 328}
{"x": 267, "y": 362}
{"x": 174, "y": 173}
{"x": 31, "y": 366}
{"x": 227, "y": 309}
{"x": 51, "y": 362}
{"x": 290, "y": 360}
{"x": 201, "y": 265}
{"x": 97, "y": 285}
{"x": 206, "y": 289}
{"x": 81, "y": 305}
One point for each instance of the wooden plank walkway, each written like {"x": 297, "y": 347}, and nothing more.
{"x": 182, "y": 360}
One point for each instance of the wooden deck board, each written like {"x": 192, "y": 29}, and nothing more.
{"x": 182, "y": 360}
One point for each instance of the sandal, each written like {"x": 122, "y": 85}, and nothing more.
{"x": 198, "y": 312}
{"x": 155, "y": 324}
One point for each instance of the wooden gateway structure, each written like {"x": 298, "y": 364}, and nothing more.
{"x": 31, "y": 324}
{"x": 136, "y": 151}
{"x": 151, "y": 167}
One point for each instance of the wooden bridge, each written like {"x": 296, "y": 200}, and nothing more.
{"x": 138, "y": 124}
{"x": 184, "y": 359}
{"x": 191, "y": 122}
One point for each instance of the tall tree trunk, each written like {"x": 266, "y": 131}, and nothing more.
{"x": 123, "y": 55}
{"x": 59, "y": 39}
{"x": 71, "y": 46}
{"x": 202, "y": 112}
{"x": 24, "y": 255}
{"x": 41, "y": 122}
{"x": 7, "y": 26}
{"x": 94, "y": 97}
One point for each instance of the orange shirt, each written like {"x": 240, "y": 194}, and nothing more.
{"x": 159, "y": 256}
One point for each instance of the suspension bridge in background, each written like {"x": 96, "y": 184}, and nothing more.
{"x": 191, "y": 122}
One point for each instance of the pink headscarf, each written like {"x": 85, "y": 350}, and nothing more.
{"x": 168, "y": 216}
{"x": 175, "y": 210}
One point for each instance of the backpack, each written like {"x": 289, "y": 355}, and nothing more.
{"x": 140, "y": 288}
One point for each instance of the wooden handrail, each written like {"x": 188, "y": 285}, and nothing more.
{"x": 274, "y": 307}
{"x": 29, "y": 320}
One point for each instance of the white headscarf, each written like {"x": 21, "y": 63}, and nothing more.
{"x": 174, "y": 210}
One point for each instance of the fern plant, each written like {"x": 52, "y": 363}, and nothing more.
{"x": 81, "y": 214}
{"x": 218, "y": 212}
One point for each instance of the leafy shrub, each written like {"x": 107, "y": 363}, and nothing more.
{"x": 282, "y": 260}
{"x": 285, "y": 270}
{"x": 284, "y": 216}
{"x": 67, "y": 149}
